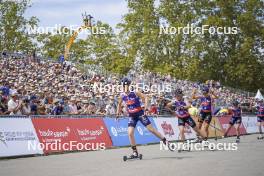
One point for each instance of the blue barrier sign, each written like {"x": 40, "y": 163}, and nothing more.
{"x": 118, "y": 132}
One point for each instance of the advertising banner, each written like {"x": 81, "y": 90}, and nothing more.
{"x": 117, "y": 129}
{"x": 57, "y": 135}
{"x": 16, "y": 134}
{"x": 224, "y": 121}
{"x": 215, "y": 128}
{"x": 250, "y": 123}
{"x": 143, "y": 136}
{"x": 168, "y": 127}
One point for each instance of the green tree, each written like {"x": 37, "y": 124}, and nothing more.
{"x": 14, "y": 27}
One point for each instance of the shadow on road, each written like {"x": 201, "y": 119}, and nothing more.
{"x": 169, "y": 157}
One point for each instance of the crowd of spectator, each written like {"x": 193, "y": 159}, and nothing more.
{"x": 41, "y": 87}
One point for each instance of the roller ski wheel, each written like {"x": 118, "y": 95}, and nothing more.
{"x": 260, "y": 137}
{"x": 184, "y": 150}
{"x": 132, "y": 157}
{"x": 124, "y": 158}
{"x": 237, "y": 140}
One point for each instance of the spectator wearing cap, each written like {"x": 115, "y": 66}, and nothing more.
{"x": 58, "y": 108}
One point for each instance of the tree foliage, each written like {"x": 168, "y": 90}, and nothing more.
{"x": 237, "y": 60}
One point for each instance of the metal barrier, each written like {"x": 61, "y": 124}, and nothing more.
{"x": 77, "y": 116}
{"x": 94, "y": 116}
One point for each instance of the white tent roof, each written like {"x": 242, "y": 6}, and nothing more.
{"x": 259, "y": 96}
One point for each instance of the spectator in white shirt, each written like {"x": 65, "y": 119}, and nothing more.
{"x": 73, "y": 107}
{"x": 14, "y": 105}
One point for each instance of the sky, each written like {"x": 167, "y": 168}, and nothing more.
{"x": 69, "y": 12}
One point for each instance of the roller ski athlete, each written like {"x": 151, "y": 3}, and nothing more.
{"x": 132, "y": 99}
{"x": 260, "y": 118}
{"x": 181, "y": 112}
{"x": 236, "y": 120}
{"x": 205, "y": 117}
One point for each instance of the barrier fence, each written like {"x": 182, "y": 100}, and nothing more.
{"x": 31, "y": 135}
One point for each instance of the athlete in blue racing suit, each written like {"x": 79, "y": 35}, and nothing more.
{"x": 136, "y": 113}
{"x": 236, "y": 119}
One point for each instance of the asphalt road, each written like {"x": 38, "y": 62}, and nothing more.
{"x": 248, "y": 160}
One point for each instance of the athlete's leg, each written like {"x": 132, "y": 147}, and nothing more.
{"x": 182, "y": 136}
{"x": 131, "y": 136}
{"x": 199, "y": 132}
{"x": 131, "y": 128}
{"x": 146, "y": 122}
{"x": 205, "y": 129}
{"x": 154, "y": 131}
{"x": 228, "y": 129}
{"x": 207, "y": 121}
{"x": 200, "y": 124}
{"x": 259, "y": 124}
{"x": 260, "y": 127}
{"x": 237, "y": 127}
{"x": 201, "y": 119}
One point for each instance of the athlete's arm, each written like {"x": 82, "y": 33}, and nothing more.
{"x": 188, "y": 105}
{"x": 144, "y": 99}
{"x": 119, "y": 104}
{"x": 168, "y": 107}
{"x": 194, "y": 96}
{"x": 213, "y": 95}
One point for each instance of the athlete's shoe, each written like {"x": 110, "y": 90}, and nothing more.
{"x": 134, "y": 154}
{"x": 205, "y": 143}
{"x": 197, "y": 140}
{"x": 167, "y": 143}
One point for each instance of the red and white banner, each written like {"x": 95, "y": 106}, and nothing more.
{"x": 66, "y": 134}
{"x": 224, "y": 121}
{"x": 16, "y": 135}
{"x": 168, "y": 127}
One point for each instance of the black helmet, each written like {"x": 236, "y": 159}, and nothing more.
{"x": 235, "y": 103}
{"x": 205, "y": 89}
{"x": 125, "y": 81}
{"x": 178, "y": 92}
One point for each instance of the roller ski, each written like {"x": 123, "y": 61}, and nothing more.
{"x": 133, "y": 156}
{"x": 238, "y": 139}
{"x": 260, "y": 137}
{"x": 184, "y": 148}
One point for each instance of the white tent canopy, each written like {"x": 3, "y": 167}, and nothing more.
{"x": 259, "y": 96}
